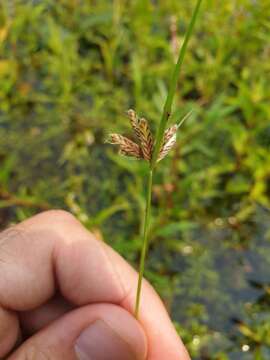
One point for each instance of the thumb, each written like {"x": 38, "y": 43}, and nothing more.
{"x": 93, "y": 332}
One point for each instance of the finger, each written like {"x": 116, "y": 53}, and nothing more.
{"x": 53, "y": 250}
{"x": 9, "y": 331}
{"x": 33, "y": 320}
{"x": 49, "y": 251}
{"x": 100, "y": 332}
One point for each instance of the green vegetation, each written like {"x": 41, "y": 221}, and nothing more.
{"x": 158, "y": 143}
{"x": 69, "y": 69}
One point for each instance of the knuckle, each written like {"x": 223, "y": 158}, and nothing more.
{"x": 59, "y": 216}
{"x": 8, "y": 235}
{"x": 60, "y": 222}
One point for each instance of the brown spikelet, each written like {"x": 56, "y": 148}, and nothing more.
{"x": 127, "y": 147}
{"x": 146, "y": 139}
{"x": 168, "y": 141}
{"x": 170, "y": 132}
{"x": 134, "y": 122}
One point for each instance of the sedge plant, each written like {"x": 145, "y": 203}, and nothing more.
{"x": 153, "y": 150}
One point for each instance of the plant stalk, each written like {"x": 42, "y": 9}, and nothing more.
{"x": 145, "y": 239}
{"x": 159, "y": 140}
{"x": 173, "y": 85}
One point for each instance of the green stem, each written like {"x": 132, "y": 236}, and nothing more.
{"x": 159, "y": 140}
{"x": 145, "y": 239}
{"x": 172, "y": 88}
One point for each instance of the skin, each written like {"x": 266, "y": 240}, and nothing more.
{"x": 57, "y": 279}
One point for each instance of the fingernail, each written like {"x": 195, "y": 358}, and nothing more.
{"x": 100, "y": 342}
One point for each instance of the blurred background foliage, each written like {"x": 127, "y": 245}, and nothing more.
{"x": 68, "y": 71}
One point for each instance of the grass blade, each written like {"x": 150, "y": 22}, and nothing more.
{"x": 173, "y": 85}
{"x": 159, "y": 140}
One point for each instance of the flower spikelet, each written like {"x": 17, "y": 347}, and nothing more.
{"x": 144, "y": 147}
{"x": 134, "y": 122}
{"x": 146, "y": 139}
{"x": 127, "y": 147}
{"x": 169, "y": 141}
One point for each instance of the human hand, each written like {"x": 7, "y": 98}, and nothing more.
{"x": 66, "y": 295}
